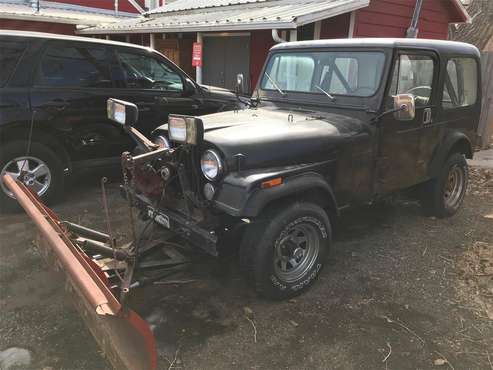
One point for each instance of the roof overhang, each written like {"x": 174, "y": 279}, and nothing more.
{"x": 54, "y": 12}
{"x": 281, "y": 14}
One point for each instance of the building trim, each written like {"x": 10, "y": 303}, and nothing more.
{"x": 317, "y": 28}
{"x": 352, "y": 24}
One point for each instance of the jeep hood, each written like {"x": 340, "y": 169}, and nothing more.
{"x": 270, "y": 137}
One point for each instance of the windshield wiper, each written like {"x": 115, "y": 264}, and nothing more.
{"x": 274, "y": 84}
{"x": 326, "y": 93}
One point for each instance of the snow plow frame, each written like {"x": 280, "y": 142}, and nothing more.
{"x": 124, "y": 337}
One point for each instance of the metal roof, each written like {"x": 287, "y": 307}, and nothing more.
{"x": 228, "y": 15}
{"x": 58, "y": 13}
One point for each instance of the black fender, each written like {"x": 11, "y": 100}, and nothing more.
{"x": 250, "y": 199}
{"x": 453, "y": 142}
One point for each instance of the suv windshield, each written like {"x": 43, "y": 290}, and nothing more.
{"x": 352, "y": 73}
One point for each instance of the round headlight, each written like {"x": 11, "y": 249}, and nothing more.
{"x": 162, "y": 142}
{"x": 211, "y": 164}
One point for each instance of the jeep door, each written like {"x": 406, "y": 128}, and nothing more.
{"x": 70, "y": 87}
{"x": 156, "y": 86}
{"x": 414, "y": 72}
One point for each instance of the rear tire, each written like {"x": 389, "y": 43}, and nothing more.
{"x": 442, "y": 197}
{"x": 283, "y": 252}
{"x": 44, "y": 166}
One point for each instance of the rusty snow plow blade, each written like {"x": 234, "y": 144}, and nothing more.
{"x": 124, "y": 337}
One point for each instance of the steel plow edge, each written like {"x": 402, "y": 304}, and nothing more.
{"x": 125, "y": 338}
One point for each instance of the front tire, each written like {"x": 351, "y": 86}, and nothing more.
{"x": 443, "y": 196}
{"x": 44, "y": 172}
{"x": 283, "y": 252}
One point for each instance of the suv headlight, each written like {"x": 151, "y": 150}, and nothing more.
{"x": 211, "y": 164}
{"x": 162, "y": 142}
{"x": 185, "y": 129}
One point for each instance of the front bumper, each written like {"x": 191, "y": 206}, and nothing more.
{"x": 175, "y": 221}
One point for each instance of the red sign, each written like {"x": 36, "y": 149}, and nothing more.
{"x": 197, "y": 54}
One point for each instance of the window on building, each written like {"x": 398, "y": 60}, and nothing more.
{"x": 413, "y": 74}
{"x": 74, "y": 66}
{"x": 338, "y": 73}
{"x": 145, "y": 72}
{"x": 460, "y": 87}
{"x": 10, "y": 55}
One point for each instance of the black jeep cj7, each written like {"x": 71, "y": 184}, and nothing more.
{"x": 332, "y": 124}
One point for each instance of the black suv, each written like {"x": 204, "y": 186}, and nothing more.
{"x": 53, "y": 90}
{"x": 337, "y": 123}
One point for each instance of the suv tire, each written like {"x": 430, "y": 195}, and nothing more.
{"x": 283, "y": 252}
{"x": 443, "y": 196}
{"x": 49, "y": 177}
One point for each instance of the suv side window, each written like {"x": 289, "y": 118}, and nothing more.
{"x": 460, "y": 88}
{"x": 74, "y": 66}
{"x": 10, "y": 55}
{"x": 145, "y": 72}
{"x": 413, "y": 74}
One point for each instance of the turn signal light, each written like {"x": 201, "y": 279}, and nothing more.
{"x": 271, "y": 183}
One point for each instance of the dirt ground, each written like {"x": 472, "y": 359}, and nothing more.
{"x": 400, "y": 291}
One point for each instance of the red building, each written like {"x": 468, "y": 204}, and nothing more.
{"x": 237, "y": 34}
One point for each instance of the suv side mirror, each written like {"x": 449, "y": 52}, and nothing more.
{"x": 404, "y": 107}
{"x": 239, "y": 83}
{"x": 122, "y": 112}
{"x": 188, "y": 87}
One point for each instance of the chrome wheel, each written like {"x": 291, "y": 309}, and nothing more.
{"x": 37, "y": 174}
{"x": 454, "y": 187}
{"x": 296, "y": 251}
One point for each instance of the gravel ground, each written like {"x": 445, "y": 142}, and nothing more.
{"x": 400, "y": 291}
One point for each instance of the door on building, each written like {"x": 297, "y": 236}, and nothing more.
{"x": 223, "y": 58}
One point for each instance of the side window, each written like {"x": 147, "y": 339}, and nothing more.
{"x": 413, "y": 74}
{"x": 74, "y": 66}
{"x": 9, "y": 57}
{"x": 145, "y": 72}
{"x": 460, "y": 88}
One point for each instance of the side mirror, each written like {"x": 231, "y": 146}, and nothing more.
{"x": 239, "y": 83}
{"x": 188, "y": 87}
{"x": 404, "y": 107}
{"x": 122, "y": 112}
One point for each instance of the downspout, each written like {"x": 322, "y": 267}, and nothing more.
{"x": 275, "y": 36}
{"x": 412, "y": 31}
{"x": 116, "y": 7}
{"x": 137, "y": 6}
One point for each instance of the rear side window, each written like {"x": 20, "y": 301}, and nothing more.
{"x": 10, "y": 54}
{"x": 74, "y": 66}
{"x": 460, "y": 88}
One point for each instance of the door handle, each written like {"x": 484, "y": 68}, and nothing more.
{"x": 426, "y": 116}
{"x": 57, "y": 104}
{"x": 161, "y": 99}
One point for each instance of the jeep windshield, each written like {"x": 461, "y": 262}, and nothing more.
{"x": 330, "y": 73}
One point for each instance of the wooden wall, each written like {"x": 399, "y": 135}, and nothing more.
{"x": 391, "y": 18}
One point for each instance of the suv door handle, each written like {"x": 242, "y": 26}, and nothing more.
{"x": 426, "y": 116}
{"x": 161, "y": 99}
{"x": 56, "y": 104}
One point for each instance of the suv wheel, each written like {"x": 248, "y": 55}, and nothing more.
{"x": 44, "y": 172}
{"x": 443, "y": 196}
{"x": 284, "y": 251}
